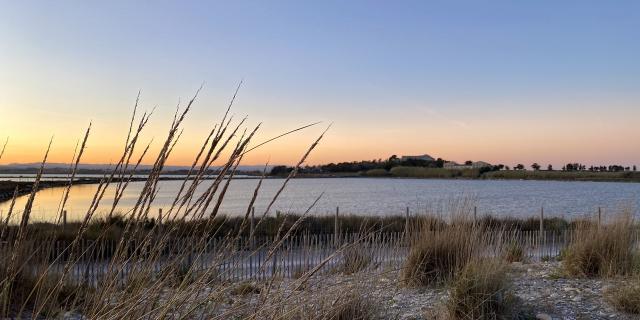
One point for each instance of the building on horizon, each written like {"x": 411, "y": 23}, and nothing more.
{"x": 424, "y": 157}
{"x": 473, "y": 165}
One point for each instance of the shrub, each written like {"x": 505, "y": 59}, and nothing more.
{"x": 355, "y": 259}
{"x": 625, "y": 298}
{"x": 22, "y": 294}
{"x": 352, "y": 307}
{"x": 376, "y": 173}
{"x": 605, "y": 251}
{"x": 514, "y": 252}
{"x": 481, "y": 291}
{"x": 245, "y": 288}
{"x": 436, "y": 256}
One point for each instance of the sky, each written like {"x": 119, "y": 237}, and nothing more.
{"x": 499, "y": 81}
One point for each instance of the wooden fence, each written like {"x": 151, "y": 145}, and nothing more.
{"x": 260, "y": 258}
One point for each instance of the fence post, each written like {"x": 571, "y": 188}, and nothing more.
{"x": 406, "y": 223}
{"x": 64, "y": 219}
{"x": 160, "y": 216}
{"x": 252, "y": 225}
{"x": 274, "y": 263}
{"x": 336, "y": 227}
{"x": 541, "y": 220}
{"x": 599, "y": 217}
{"x": 541, "y": 240}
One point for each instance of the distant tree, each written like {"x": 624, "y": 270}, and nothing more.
{"x": 507, "y": 168}
{"x": 550, "y": 168}
{"x": 280, "y": 170}
{"x": 535, "y": 166}
{"x": 440, "y": 162}
{"x": 501, "y": 166}
{"x": 393, "y": 158}
{"x": 520, "y": 166}
{"x": 634, "y": 168}
{"x": 468, "y": 163}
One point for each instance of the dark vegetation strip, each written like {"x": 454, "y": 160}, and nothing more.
{"x": 222, "y": 226}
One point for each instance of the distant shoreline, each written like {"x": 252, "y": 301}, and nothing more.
{"x": 444, "y": 174}
{"x": 7, "y": 188}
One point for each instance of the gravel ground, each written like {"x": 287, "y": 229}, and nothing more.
{"x": 541, "y": 289}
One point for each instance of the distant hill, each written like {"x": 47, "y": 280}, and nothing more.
{"x": 26, "y": 168}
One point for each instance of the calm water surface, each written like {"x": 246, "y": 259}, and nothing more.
{"x": 374, "y": 196}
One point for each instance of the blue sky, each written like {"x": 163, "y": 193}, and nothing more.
{"x": 505, "y": 81}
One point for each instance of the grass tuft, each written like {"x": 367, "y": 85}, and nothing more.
{"x": 604, "y": 251}
{"x": 354, "y": 259}
{"x": 625, "y": 298}
{"x": 437, "y": 256}
{"x": 481, "y": 291}
{"x": 352, "y": 307}
{"x": 245, "y": 288}
{"x": 514, "y": 252}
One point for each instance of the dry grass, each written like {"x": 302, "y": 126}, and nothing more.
{"x": 351, "y": 307}
{"x": 605, "y": 251}
{"x": 438, "y": 255}
{"x": 245, "y": 288}
{"x": 354, "y": 259}
{"x": 38, "y": 280}
{"x": 481, "y": 290}
{"x": 625, "y": 297}
{"x": 513, "y": 252}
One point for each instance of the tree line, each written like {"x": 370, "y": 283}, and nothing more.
{"x": 366, "y": 165}
{"x": 575, "y": 166}
{"x": 394, "y": 161}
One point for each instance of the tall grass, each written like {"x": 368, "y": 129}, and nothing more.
{"x": 482, "y": 291}
{"x": 437, "y": 256}
{"x": 626, "y": 296}
{"x": 38, "y": 280}
{"x": 439, "y": 250}
{"x": 602, "y": 250}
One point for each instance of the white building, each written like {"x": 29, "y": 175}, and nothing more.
{"x": 473, "y": 165}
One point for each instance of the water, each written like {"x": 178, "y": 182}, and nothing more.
{"x": 372, "y": 196}
{"x": 30, "y": 177}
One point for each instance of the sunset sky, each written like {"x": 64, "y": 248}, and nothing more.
{"x": 500, "y": 81}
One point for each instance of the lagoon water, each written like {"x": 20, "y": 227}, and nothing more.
{"x": 373, "y": 196}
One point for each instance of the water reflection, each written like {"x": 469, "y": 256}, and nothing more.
{"x": 369, "y": 196}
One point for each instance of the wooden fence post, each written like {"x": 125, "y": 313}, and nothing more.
{"x": 252, "y": 224}
{"x": 159, "y": 216}
{"x": 406, "y": 223}
{"x": 541, "y": 241}
{"x": 64, "y": 219}
{"x": 336, "y": 227}
{"x": 599, "y": 216}
{"x": 541, "y": 220}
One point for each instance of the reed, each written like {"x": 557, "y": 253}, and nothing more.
{"x": 625, "y": 296}
{"x": 482, "y": 291}
{"x": 38, "y": 280}
{"x": 602, "y": 250}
